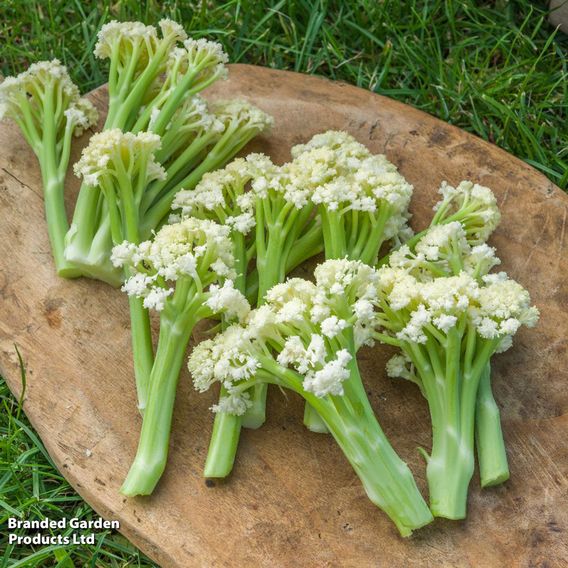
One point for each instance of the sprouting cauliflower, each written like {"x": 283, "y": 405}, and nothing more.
{"x": 303, "y": 338}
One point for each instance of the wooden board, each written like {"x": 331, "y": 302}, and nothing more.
{"x": 293, "y": 500}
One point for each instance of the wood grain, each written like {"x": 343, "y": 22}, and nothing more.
{"x": 293, "y": 500}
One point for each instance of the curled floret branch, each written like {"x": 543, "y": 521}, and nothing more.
{"x": 138, "y": 54}
{"x": 121, "y": 165}
{"x": 47, "y": 107}
{"x": 303, "y": 339}
{"x": 287, "y": 232}
{"x": 465, "y": 218}
{"x": 236, "y": 123}
{"x": 223, "y": 196}
{"x": 154, "y": 83}
{"x": 361, "y": 200}
{"x": 361, "y": 197}
{"x": 185, "y": 273}
{"x": 226, "y": 197}
{"x": 445, "y": 250}
{"x": 189, "y": 70}
{"x": 472, "y": 205}
{"x": 448, "y": 327}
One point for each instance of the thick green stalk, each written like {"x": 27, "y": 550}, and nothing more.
{"x": 449, "y": 470}
{"x": 223, "y": 445}
{"x": 152, "y": 453}
{"x": 491, "y": 453}
{"x": 451, "y": 463}
{"x": 53, "y": 177}
{"x": 142, "y": 348}
{"x": 121, "y": 228}
{"x": 387, "y": 479}
{"x": 56, "y": 218}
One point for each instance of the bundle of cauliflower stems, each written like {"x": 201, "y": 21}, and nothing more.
{"x": 188, "y": 233}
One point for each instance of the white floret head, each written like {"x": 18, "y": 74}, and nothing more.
{"x": 242, "y": 116}
{"x": 329, "y": 379}
{"x": 111, "y": 151}
{"x": 223, "y": 195}
{"x": 41, "y": 81}
{"x": 475, "y": 206}
{"x": 195, "y": 249}
{"x": 503, "y": 307}
{"x": 228, "y": 358}
{"x": 341, "y": 175}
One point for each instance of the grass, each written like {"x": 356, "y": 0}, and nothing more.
{"x": 496, "y": 69}
{"x": 31, "y": 487}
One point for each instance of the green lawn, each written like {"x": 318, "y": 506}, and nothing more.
{"x": 496, "y": 69}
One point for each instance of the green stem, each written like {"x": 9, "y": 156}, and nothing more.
{"x": 376, "y": 239}
{"x": 449, "y": 472}
{"x": 270, "y": 269}
{"x": 226, "y": 427}
{"x": 387, "y": 479}
{"x": 333, "y": 233}
{"x": 223, "y": 445}
{"x": 53, "y": 188}
{"x": 142, "y": 348}
{"x": 241, "y": 261}
{"x": 85, "y": 219}
{"x": 132, "y": 92}
{"x": 307, "y": 246}
{"x": 491, "y": 453}
{"x": 152, "y": 453}
{"x": 255, "y": 416}
{"x": 123, "y": 225}
{"x": 451, "y": 464}
{"x": 313, "y": 421}
{"x": 270, "y": 272}
{"x": 57, "y": 225}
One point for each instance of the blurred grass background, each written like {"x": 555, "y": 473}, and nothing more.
{"x": 496, "y": 69}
